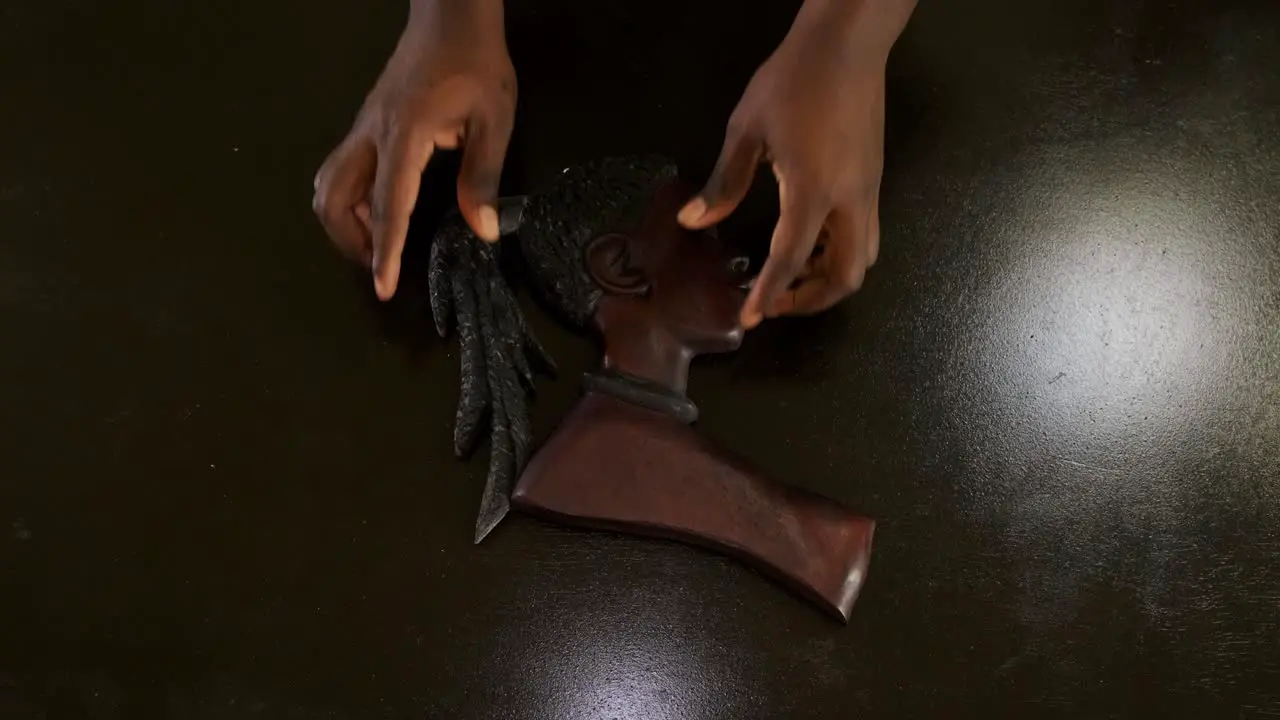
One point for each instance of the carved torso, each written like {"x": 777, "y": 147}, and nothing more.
{"x": 614, "y": 465}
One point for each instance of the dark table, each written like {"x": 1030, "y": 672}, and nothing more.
{"x": 226, "y": 485}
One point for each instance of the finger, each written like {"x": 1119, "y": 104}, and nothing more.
{"x": 729, "y": 181}
{"x": 401, "y": 161}
{"x": 837, "y": 274}
{"x": 803, "y": 213}
{"x": 341, "y": 186}
{"x": 364, "y": 214}
{"x": 486, "y": 146}
{"x": 818, "y": 258}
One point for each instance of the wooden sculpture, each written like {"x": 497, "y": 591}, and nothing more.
{"x": 604, "y": 251}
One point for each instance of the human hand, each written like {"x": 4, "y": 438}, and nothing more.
{"x": 449, "y": 83}
{"x": 815, "y": 112}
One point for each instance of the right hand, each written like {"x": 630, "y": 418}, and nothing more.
{"x": 450, "y": 83}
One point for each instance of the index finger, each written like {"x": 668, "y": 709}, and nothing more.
{"x": 803, "y": 213}
{"x": 401, "y": 161}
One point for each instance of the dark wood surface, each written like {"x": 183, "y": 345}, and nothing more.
{"x": 226, "y": 481}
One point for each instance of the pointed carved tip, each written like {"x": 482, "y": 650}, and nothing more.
{"x": 490, "y": 515}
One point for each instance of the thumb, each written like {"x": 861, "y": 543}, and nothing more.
{"x": 486, "y": 148}
{"x": 729, "y": 182}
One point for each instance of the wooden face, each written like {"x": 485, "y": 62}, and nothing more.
{"x": 689, "y": 283}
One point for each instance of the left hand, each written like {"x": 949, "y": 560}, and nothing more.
{"x": 815, "y": 112}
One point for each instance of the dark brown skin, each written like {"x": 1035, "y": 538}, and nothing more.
{"x": 449, "y": 83}
{"x": 814, "y": 111}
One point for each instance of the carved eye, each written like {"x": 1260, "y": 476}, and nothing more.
{"x": 740, "y": 272}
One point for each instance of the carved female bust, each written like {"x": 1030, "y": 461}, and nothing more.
{"x": 605, "y": 252}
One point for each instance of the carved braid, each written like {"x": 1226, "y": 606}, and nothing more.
{"x": 467, "y": 288}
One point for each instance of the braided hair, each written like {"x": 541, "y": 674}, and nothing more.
{"x": 498, "y": 349}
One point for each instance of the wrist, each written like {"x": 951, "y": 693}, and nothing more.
{"x": 486, "y": 16}
{"x": 869, "y": 26}
{"x": 454, "y": 5}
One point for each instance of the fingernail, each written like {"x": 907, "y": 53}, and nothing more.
{"x": 488, "y": 223}
{"x": 750, "y": 319}
{"x": 383, "y": 284}
{"x": 692, "y": 211}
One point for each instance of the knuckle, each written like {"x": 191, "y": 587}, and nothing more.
{"x": 739, "y": 124}
{"x": 866, "y": 197}
{"x": 791, "y": 262}
{"x": 855, "y": 193}
{"x": 817, "y": 197}
{"x": 329, "y": 168}
{"x": 492, "y": 123}
{"x": 396, "y": 128}
{"x": 848, "y": 278}
{"x": 736, "y": 127}
{"x": 378, "y": 211}
{"x": 323, "y": 204}
{"x": 814, "y": 183}
{"x": 495, "y": 116}
{"x": 507, "y": 89}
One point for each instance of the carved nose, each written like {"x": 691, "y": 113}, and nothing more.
{"x": 735, "y": 336}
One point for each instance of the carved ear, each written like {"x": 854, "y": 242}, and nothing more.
{"x": 610, "y": 264}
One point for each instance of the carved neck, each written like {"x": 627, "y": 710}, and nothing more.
{"x": 642, "y": 393}
{"x": 638, "y": 348}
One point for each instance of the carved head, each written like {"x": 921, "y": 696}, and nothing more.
{"x": 602, "y": 248}
{"x": 604, "y": 243}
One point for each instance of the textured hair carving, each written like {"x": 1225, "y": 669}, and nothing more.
{"x": 584, "y": 203}
{"x": 497, "y": 347}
